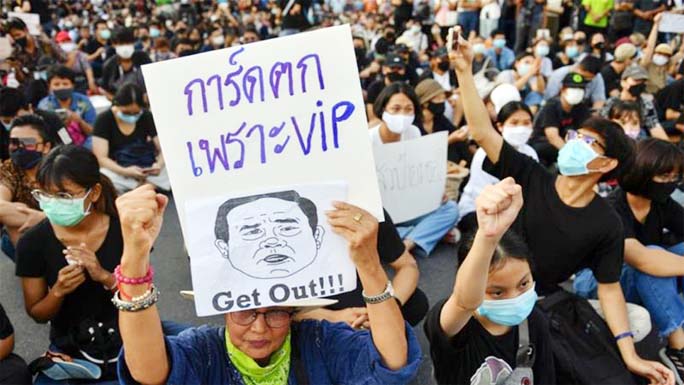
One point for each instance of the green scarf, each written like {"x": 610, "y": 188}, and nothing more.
{"x": 276, "y": 373}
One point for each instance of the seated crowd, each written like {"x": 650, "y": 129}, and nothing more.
{"x": 567, "y": 145}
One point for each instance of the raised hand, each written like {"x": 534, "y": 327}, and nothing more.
{"x": 360, "y": 229}
{"x": 498, "y": 206}
{"x": 461, "y": 58}
{"x": 141, "y": 213}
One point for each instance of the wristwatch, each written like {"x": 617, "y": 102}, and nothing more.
{"x": 382, "y": 297}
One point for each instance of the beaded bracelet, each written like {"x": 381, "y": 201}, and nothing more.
{"x": 143, "y": 302}
{"x": 125, "y": 295}
{"x": 148, "y": 278}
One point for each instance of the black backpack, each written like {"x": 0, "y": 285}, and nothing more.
{"x": 584, "y": 349}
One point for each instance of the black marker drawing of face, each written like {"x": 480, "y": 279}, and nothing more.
{"x": 272, "y": 235}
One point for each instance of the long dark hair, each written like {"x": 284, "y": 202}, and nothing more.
{"x": 77, "y": 165}
{"x": 398, "y": 88}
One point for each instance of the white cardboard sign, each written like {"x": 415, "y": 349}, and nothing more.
{"x": 32, "y": 21}
{"x": 671, "y": 22}
{"x": 266, "y": 248}
{"x": 412, "y": 175}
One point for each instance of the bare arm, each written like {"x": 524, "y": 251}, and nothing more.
{"x": 160, "y": 156}
{"x": 651, "y": 43}
{"x": 101, "y": 151}
{"x": 6, "y": 347}
{"x": 659, "y": 132}
{"x": 406, "y": 276}
{"x": 656, "y": 262}
{"x": 671, "y": 114}
{"x": 553, "y": 136}
{"x": 42, "y": 305}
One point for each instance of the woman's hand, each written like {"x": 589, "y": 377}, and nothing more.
{"x": 498, "y": 206}
{"x": 88, "y": 260}
{"x": 461, "y": 58}
{"x": 655, "y": 372}
{"x": 69, "y": 279}
{"x": 141, "y": 213}
{"x": 360, "y": 229}
{"x": 134, "y": 172}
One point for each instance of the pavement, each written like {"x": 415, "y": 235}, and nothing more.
{"x": 173, "y": 274}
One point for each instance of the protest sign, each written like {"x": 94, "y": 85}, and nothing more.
{"x": 280, "y": 112}
{"x": 266, "y": 248}
{"x": 412, "y": 175}
{"x": 672, "y": 23}
{"x": 32, "y": 21}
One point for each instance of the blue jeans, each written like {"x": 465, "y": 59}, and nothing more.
{"x": 6, "y": 246}
{"x": 659, "y": 295}
{"x": 533, "y": 99}
{"x": 469, "y": 20}
{"x": 428, "y": 230}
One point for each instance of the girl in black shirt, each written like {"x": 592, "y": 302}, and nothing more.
{"x": 474, "y": 334}
{"x": 66, "y": 262}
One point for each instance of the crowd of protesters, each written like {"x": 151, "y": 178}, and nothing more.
{"x": 565, "y": 124}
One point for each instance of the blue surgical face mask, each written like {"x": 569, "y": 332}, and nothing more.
{"x": 126, "y": 118}
{"x": 509, "y": 312}
{"x": 65, "y": 212}
{"x": 499, "y": 43}
{"x": 572, "y": 52}
{"x": 574, "y": 157}
{"x": 7, "y": 125}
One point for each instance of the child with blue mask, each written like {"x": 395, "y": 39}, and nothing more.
{"x": 477, "y": 331}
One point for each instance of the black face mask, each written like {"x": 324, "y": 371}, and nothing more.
{"x": 186, "y": 52}
{"x": 581, "y": 41}
{"x": 659, "y": 192}
{"x": 26, "y": 159}
{"x": 436, "y": 109}
{"x": 22, "y": 41}
{"x": 444, "y": 66}
{"x": 637, "y": 90}
{"x": 360, "y": 52}
{"x": 395, "y": 77}
{"x": 63, "y": 94}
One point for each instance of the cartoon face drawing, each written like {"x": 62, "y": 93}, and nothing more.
{"x": 271, "y": 235}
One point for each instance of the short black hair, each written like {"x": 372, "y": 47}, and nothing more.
{"x": 510, "y": 108}
{"x": 62, "y": 72}
{"x": 100, "y": 21}
{"x": 622, "y": 108}
{"x": 523, "y": 54}
{"x": 129, "y": 93}
{"x": 77, "y": 165}
{"x": 591, "y": 64}
{"x": 221, "y": 228}
{"x": 653, "y": 157}
{"x": 511, "y": 245}
{"x": 35, "y": 122}
{"x": 123, "y": 35}
{"x": 11, "y": 101}
{"x": 618, "y": 145}
{"x": 393, "y": 89}
{"x": 498, "y": 32}
{"x": 15, "y": 23}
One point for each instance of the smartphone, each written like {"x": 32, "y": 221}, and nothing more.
{"x": 543, "y": 33}
{"x": 61, "y": 112}
{"x": 452, "y": 38}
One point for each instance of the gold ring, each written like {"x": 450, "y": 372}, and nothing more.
{"x": 358, "y": 217}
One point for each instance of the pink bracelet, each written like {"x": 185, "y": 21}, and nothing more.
{"x": 120, "y": 278}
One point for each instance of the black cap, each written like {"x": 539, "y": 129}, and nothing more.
{"x": 401, "y": 48}
{"x": 394, "y": 60}
{"x": 574, "y": 80}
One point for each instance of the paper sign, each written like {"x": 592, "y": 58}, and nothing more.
{"x": 412, "y": 175}
{"x": 278, "y": 112}
{"x": 266, "y": 248}
{"x": 671, "y": 22}
{"x": 32, "y": 21}
{"x": 5, "y": 48}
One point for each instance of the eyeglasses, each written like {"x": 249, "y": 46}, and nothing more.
{"x": 277, "y": 318}
{"x": 588, "y": 139}
{"x": 42, "y": 196}
{"x": 30, "y": 144}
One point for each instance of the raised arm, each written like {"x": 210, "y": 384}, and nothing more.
{"x": 360, "y": 229}
{"x": 497, "y": 207}
{"x": 141, "y": 212}
{"x": 651, "y": 42}
{"x": 476, "y": 114}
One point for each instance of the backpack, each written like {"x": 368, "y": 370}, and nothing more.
{"x": 524, "y": 360}
{"x": 583, "y": 347}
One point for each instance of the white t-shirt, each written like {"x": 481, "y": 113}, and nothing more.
{"x": 479, "y": 179}
{"x": 374, "y": 132}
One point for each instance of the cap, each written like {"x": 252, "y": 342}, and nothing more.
{"x": 394, "y": 60}
{"x": 62, "y": 36}
{"x": 428, "y": 89}
{"x": 574, "y": 80}
{"x": 635, "y": 72}
{"x": 624, "y": 52}
{"x": 663, "y": 49}
{"x": 299, "y": 303}
{"x": 401, "y": 48}
{"x": 504, "y": 94}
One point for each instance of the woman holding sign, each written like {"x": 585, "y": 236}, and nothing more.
{"x": 264, "y": 345}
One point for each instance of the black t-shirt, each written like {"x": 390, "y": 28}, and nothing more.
{"x": 611, "y": 79}
{"x": 553, "y": 115}
{"x": 6, "y": 329}
{"x": 668, "y": 215}
{"x": 458, "y": 151}
{"x": 476, "y": 357}
{"x": 562, "y": 239}
{"x": 106, "y": 128}
{"x": 374, "y": 90}
{"x": 390, "y": 248}
{"x": 671, "y": 97}
{"x": 112, "y": 72}
{"x": 39, "y": 255}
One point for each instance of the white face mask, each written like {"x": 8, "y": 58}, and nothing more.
{"x": 218, "y": 40}
{"x": 67, "y": 47}
{"x": 125, "y": 51}
{"x": 660, "y": 60}
{"x": 397, "y": 123}
{"x": 516, "y": 136}
{"x": 574, "y": 96}
{"x": 415, "y": 28}
{"x": 479, "y": 49}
